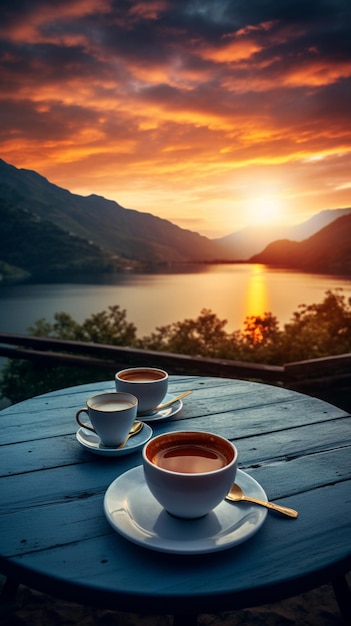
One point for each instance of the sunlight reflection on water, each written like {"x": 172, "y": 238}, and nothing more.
{"x": 151, "y": 300}
{"x": 257, "y": 296}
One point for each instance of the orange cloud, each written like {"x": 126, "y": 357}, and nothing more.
{"x": 317, "y": 74}
{"x": 181, "y": 114}
{"x": 30, "y": 27}
{"x": 149, "y": 10}
{"x": 231, "y": 52}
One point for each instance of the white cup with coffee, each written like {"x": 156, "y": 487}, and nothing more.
{"x": 188, "y": 472}
{"x": 111, "y": 416}
{"x": 148, "y": 384}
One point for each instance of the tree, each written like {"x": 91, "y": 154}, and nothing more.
{"x": 315, "y": 330}
{"x": 261, "y": 339}
{"x": 204, "y": 336}
{"x": 319, "y": 330}
{"x": 22, "y": 379}
{"x": 108, "y": 327}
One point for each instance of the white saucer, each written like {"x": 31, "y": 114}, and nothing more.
{"x": 90, "y": 441}
{"x": 133, "y": 512}
{"x": 163, "y": 414}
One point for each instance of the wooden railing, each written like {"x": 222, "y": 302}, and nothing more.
{"x": 85, "y": 354}
{"x": 299, "y": 375}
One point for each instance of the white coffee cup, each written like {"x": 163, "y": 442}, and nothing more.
{"x": 188, "y": 472}
{"x": 148, "y": 384}
{"x": 111, "y": 416}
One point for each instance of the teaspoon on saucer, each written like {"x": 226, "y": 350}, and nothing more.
{"x": 236, "y": 494}
{"x": 136, "y": 428}
{"x": 165, "y": 404}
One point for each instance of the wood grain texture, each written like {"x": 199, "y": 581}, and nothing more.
{"x": 54, "y": 536}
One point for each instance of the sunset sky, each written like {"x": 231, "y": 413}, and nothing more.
{"x": 214, "y": 114}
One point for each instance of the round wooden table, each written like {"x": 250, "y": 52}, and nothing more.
{"x": 55, "y": 537}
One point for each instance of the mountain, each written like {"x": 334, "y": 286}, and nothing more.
{"x": 251, "y": 240}
{"x": 124, "y": 236}
{"x": 30, "y": 246}
{"x": 328, "y": 251}
{"x": 47, "y": 230}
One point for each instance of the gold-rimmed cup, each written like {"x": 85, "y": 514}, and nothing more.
{"x": 148, "y": 384}
{"x": 110, "y": 416}
{"x": 189, "y": 472}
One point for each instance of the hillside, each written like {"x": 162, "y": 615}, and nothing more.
{"x": 32, "y": 246}
{"x": 328, "y": 251}
{"x": 138, "y": 239}
{"x": 47, "y": 230}
{"x": 251, "y": 240}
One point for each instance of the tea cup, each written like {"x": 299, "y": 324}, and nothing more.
{"x": 189, "y": 472}
{"x": 148, "y": 384}
{"x": 111, "y": 416}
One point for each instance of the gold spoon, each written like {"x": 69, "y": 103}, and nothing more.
{"x": 136, "y": 428}
{"x": 165, "y": 404}
{"x": 236, "y": 495}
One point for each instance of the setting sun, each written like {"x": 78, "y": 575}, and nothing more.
{"x": 268, "y": 210}
{"x": 221, "y": 116}
{"x": 264, "y": 211}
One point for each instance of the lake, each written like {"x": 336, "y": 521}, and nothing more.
{"x": 232, "y": 291}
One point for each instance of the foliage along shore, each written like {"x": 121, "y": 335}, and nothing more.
{"x": 316, "y": 330}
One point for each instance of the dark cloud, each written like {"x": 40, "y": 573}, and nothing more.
{"x": 45, "y": 124}
{"x": 170, "y": 88}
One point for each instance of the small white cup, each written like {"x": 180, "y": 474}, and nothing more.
{"x": 189, "y": 473}
{"x": 148, "y": 384}
{"x": 111, "y": 416}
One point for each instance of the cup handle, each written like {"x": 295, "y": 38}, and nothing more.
{"x": 81, "y": 423}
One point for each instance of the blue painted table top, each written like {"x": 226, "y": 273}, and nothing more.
{"x": 54, "y": 535}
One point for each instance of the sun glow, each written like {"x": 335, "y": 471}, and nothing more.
{"x": 265, "y": 211}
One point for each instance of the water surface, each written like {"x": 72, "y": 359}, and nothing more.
{"x": 232, "y": 291}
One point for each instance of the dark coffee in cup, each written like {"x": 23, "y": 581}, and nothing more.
{"x": 148, "y": 384}
{"x": 141, "y": 375}
{"x": 190, "y": 459}
{"x": 189, "y": 472}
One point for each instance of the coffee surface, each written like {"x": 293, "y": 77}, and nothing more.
{"x": 141, "y": 376}
{"x": 112, "y": 405}
{"x": 189, "y": 459}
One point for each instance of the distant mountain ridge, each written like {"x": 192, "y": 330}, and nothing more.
{"x": 251, "y": 240}
{"x": 327, "y": 251}
{"x": 50, "y": 230}
{"x": 135, "y": 238}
